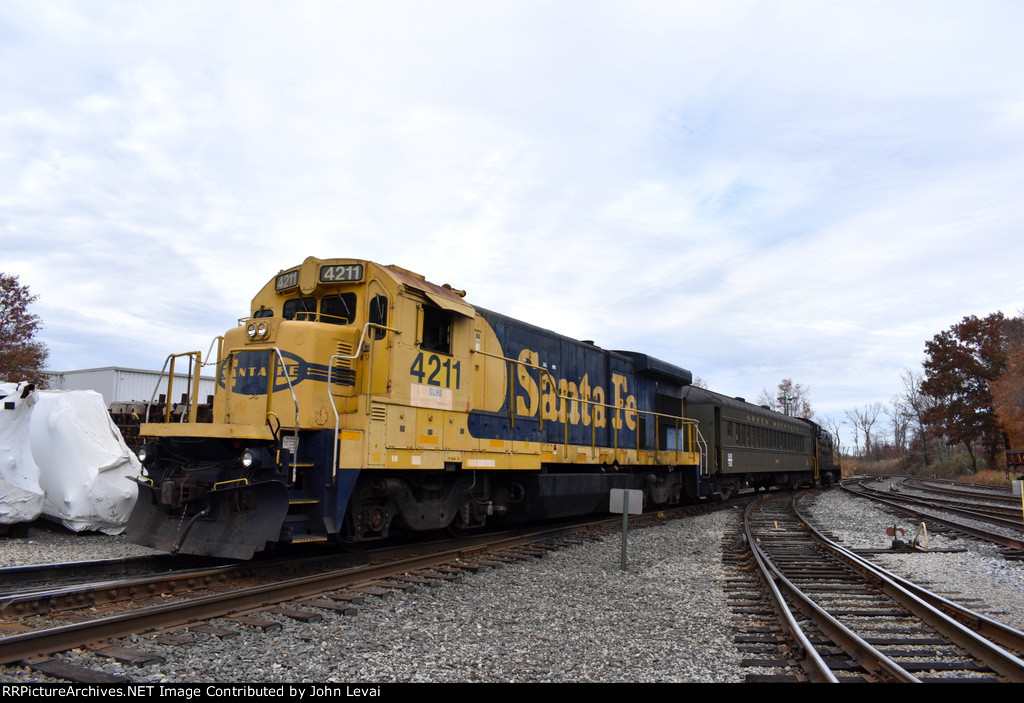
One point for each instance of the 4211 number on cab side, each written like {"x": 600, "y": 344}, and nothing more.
{"x": 433, "y": 371}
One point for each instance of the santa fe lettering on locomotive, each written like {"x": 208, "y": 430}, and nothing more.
{"x": 575, "y": 402}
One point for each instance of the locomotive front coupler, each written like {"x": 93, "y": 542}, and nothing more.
{"x": 177, "y": 492}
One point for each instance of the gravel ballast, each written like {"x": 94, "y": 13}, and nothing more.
{"x": 961, "y": 569}
{"x": 571, "y": 616}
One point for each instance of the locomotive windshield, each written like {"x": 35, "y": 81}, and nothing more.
{"x": 338, "y": 308}
{"x": 304, "y": 308}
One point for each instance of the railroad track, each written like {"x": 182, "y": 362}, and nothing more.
{"x": 39, "y": 628}
{"x": 56, "y": 590}
{"x": 968, "y": 514}
{"x": 845, "y": 619}
{"x": 36, "y": 637}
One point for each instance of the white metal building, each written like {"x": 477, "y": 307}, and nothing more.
{"x": 119, "y": 385}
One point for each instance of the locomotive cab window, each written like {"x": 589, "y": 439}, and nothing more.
{"x": 338, "y": 308}
{"x": 437, "y": 330}
{"x": 263, "y": 312}
{"x": 378, "y": 315}
{"x": 299, "y": 308}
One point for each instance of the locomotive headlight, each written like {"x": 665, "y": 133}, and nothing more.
{"x": 251, "y": 332}
{"x": 146, "y": 454}
{"x": 250, "y": 459}
{"x": 261, "y": 331}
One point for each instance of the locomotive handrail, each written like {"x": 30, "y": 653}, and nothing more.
{"x": 362, "y": 340}
{"x": 271, "y": 377}
{"x": 703, "y": 443}
{"x": 219, "y": 341}
{"x": 193, "y": 398}
{"x": 337, "y": 417}
{"x": 618, "y": 419}
{"x": 221, "y": 484}
{"x": 330, "y": 382}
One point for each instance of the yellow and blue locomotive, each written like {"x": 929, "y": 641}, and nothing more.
{"x": 357, "y": 401}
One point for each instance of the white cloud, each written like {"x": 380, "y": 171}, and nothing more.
{"x": 747, "y": 189}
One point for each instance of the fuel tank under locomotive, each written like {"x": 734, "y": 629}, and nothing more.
{"x": 413, "y": 502}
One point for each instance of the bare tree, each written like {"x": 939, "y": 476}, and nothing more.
{"x": 834, "y": 426}
{"x": 864, "y": 419}
{"x": 917, "y": 404}
{"x": 898, "y": 415}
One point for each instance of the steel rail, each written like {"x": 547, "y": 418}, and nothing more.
{"x": 109, "y": 588}
{"x": 42, "y": 643}
{"x": 13, "y": 579}
{"x": 947, "y": 617}
{"x": 985, "y": 535}
{"x": 70, "y": 597}
{"x": 812, "y": 662}
{"x": 869, "y": 658}
{"x": 999, "y": 494}
{"x": 1008, "y": 514}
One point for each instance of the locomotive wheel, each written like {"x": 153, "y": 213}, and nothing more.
{"x": 456, "y": 529}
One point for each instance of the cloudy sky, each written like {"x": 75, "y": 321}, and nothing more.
{"x": 750, "y": 190}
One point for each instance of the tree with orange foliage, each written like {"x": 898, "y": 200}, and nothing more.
{"x": 1008, "y": 392}
{"x": 791, "y": 399}
{"x": 21, "y": 356}
{"x": 962, "y": 363}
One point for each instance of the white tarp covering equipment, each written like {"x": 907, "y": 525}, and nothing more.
{"x": 64, "y": 447}
{"x": 21, "y": 498}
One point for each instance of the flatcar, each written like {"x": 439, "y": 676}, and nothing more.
{"x": 357, "y": 401}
